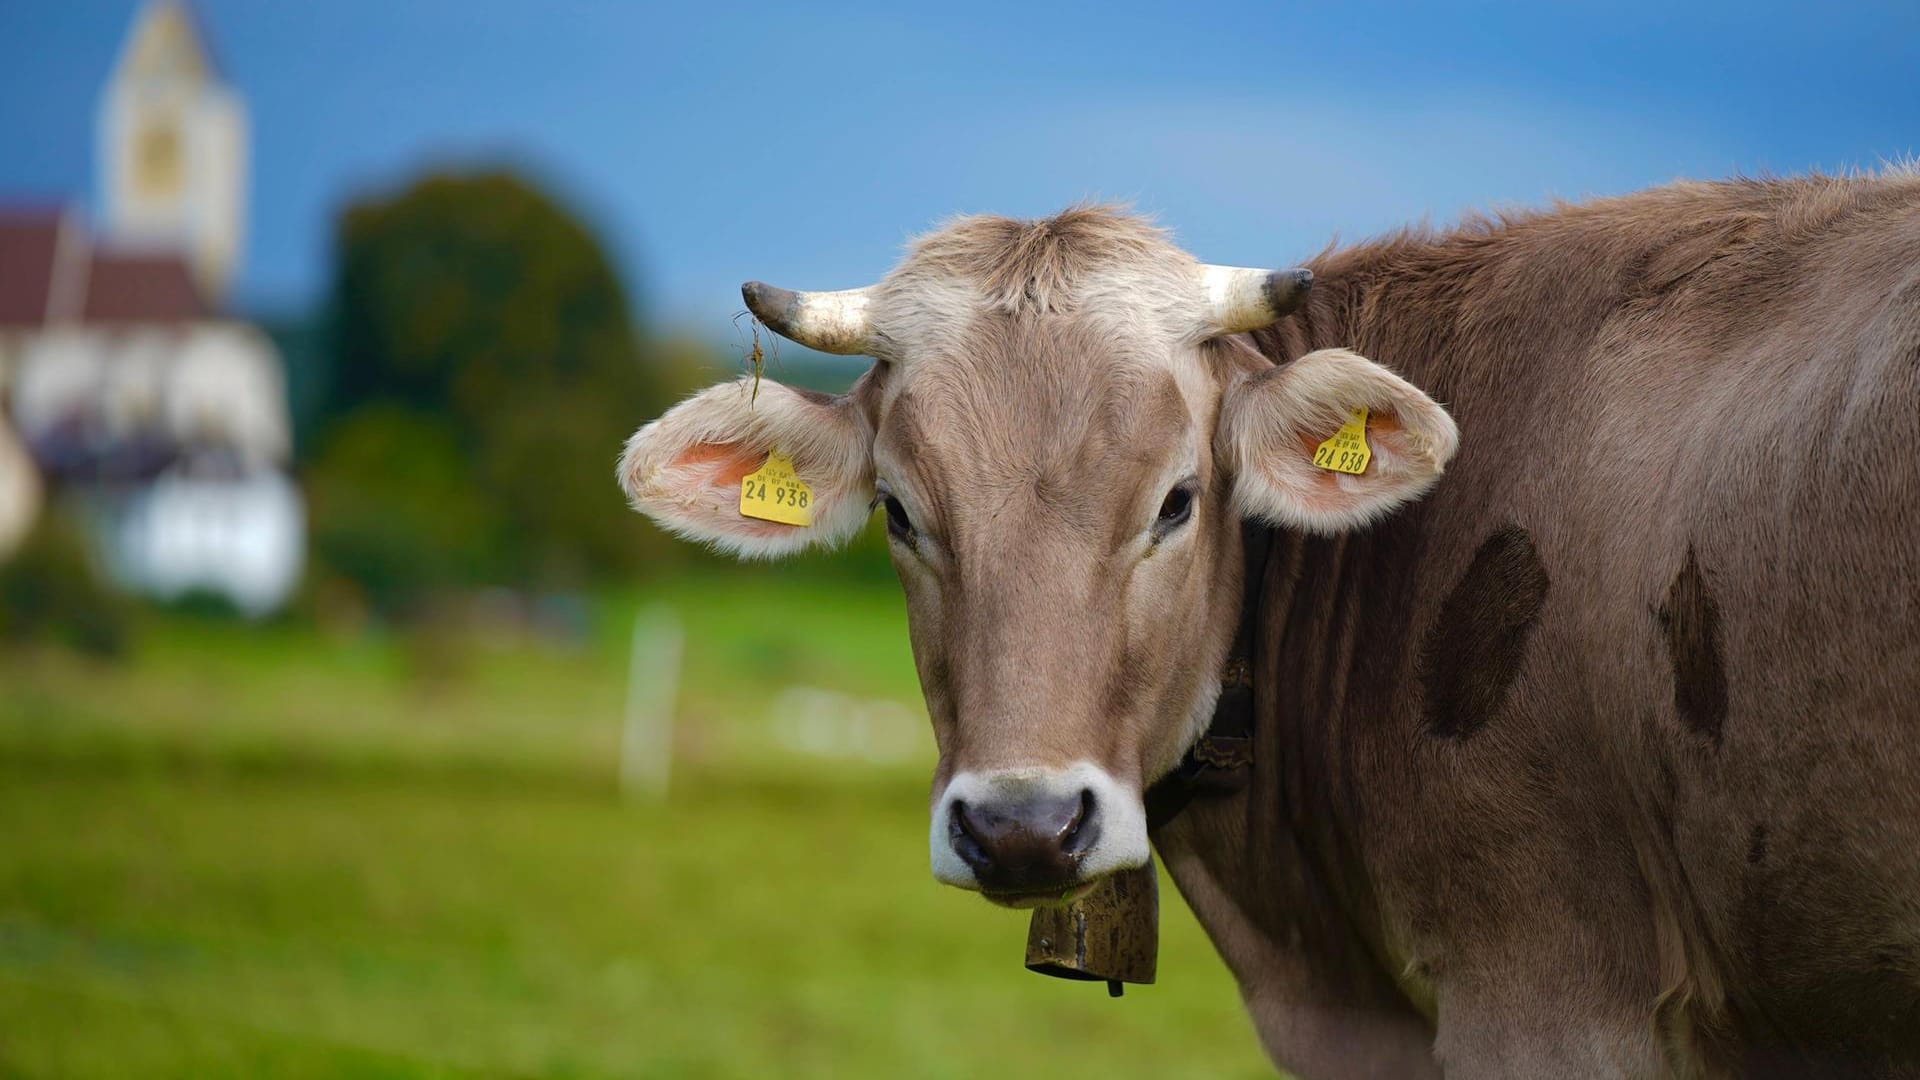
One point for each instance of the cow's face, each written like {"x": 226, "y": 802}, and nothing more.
{"x": 1063, "y": 433}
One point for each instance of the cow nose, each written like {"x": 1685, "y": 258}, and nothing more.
{"x": 1027, "y": 845}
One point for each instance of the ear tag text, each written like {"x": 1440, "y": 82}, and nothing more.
{"x": 1347, "y": 452}
{"x": 774, "y": 492}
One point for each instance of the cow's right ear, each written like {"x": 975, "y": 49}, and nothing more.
{"x": 686, "y": 469}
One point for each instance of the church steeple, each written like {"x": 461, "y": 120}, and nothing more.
{"x": 173, "y": 148}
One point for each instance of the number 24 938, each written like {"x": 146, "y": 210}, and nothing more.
{"x": 782, "y": 496}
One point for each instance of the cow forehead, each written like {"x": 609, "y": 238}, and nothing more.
{"x": 1029, "y": 395}
{"x": 1019, "y": 351}
{"x": 1040, "y": 417}
{"x": 1111, "y": 273}
{"x": 1034, "y": 407}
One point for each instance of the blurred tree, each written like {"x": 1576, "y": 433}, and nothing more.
{"x": 302, "y": 342}
{"x": 395, "y": 507}
{"x": 491, "y": 333}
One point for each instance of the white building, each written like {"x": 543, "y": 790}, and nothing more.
{"x": 119, "y": 379}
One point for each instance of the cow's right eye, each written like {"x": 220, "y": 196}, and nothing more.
{"x": 897, "y": 522}
{"x": 1175, "y": 509}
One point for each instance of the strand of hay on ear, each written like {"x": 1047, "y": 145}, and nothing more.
{"x": 755, "y": 356}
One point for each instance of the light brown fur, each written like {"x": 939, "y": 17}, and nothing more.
{"x": 1688, "y": 421}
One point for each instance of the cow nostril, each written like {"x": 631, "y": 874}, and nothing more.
{"x": 963, "y": 838}
{"x": 1077, "y": 836}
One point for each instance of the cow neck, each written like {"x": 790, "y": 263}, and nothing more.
{"x": 1220, "y": 762}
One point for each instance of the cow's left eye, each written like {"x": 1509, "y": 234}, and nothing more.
{"x": 897, "y": 521}
{"x": 1176, "y": 508}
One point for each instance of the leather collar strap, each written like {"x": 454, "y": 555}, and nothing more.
{"x": 1221, "y": 761}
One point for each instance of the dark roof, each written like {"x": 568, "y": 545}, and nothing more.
{"x": 101, "y": 286}
{"x": 141, "y": 288}
{"x": 29, "y": 240}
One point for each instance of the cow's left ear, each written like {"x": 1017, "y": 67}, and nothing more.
{"x": 754, "y": 468}
{"x": 1288, "y": 435}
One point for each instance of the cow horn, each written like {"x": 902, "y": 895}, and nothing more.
{"x": 1240, "y": 299}
{"x": 833, "y": 322}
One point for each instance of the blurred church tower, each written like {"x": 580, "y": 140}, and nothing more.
{"x": 173, "y": 150}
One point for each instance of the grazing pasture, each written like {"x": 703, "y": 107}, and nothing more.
{"x": 267, "y": 851}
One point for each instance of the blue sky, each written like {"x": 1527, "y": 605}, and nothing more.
{"x": 712, "y": 142}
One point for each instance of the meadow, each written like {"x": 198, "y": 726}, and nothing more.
{"x": 275, "y": 851}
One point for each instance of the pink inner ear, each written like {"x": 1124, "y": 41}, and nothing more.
{"x": 720, "y": 468}
{"x": 1324, "y": 491}
{"x": 1314, "y": 490}
{"x": 1382, "y": 427}
{"x": 726, "y": 464}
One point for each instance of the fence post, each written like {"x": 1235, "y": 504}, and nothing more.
{"x": 653, "y": 677}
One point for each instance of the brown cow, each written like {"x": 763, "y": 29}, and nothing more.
{"x": 1601, "y": 758}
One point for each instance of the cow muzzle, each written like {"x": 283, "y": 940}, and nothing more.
{"x": 1026, "y": 837}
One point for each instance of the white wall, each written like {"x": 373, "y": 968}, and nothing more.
{"x": 215, "y": 384}
{"x": 244, "y": 539}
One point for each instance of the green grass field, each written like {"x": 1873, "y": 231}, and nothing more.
{"x": 268, "y": 852}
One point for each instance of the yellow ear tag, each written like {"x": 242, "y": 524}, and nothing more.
{"x": 774, "y": 492}
{"x": 1347, "y": 451}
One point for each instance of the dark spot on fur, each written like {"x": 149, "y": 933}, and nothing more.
{"x": 1757, "y": 844}
{"x": 1691, "y": 622}
{"x": 1895, "y": 959}
{"x": 1473, "y": 648}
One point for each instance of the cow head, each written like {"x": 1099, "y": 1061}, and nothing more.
{"x": 1063, "y": 428}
